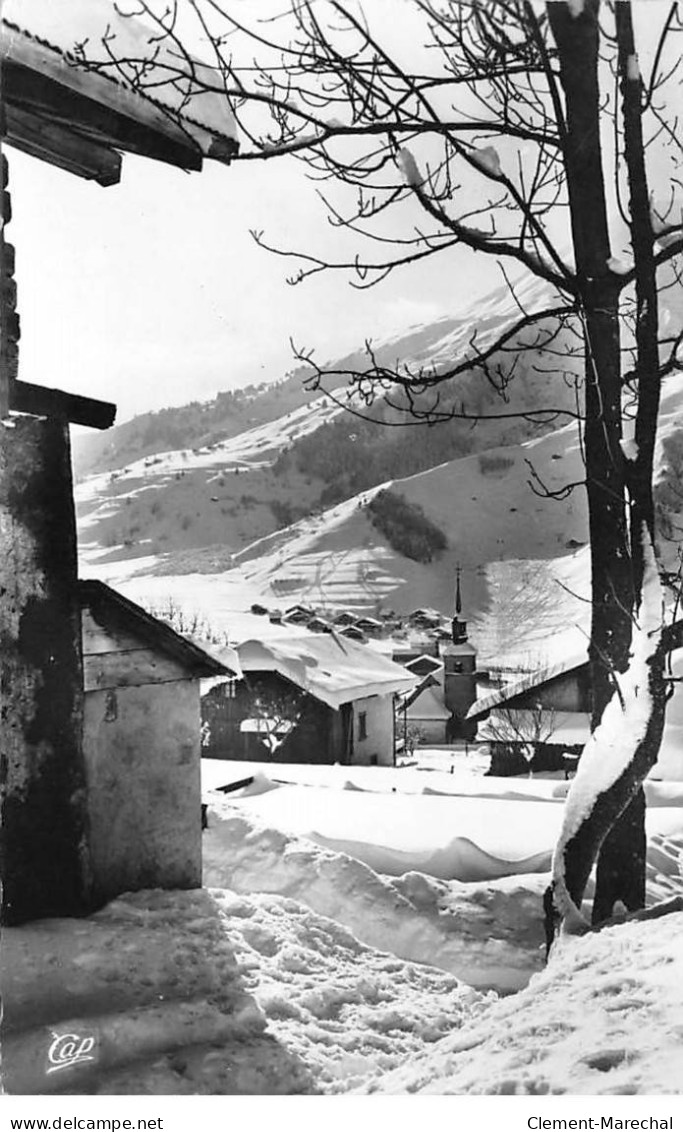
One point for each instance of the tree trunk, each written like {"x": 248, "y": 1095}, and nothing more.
{"x": 612, "y": 596}
{"x": 621, "y": 868}
{"x": 620, "y": 874}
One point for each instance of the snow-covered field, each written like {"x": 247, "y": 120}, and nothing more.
{"x": 307, "y": 966}
{"x": 299, "y": 970}
{"x": 462, "y": 827}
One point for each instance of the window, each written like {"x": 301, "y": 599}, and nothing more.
{"x": 362, "y": 725}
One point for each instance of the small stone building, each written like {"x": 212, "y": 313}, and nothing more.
{"x": 141, "y": 745}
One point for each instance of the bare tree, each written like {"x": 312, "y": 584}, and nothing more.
{"x": 528, "y": 133}
{"x": 275, "y": 712}
{"x": 522, "y": 729}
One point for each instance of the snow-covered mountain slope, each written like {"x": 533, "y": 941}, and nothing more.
{"x": 142, "y": 491}
{"x": 224, "y": 493}
{"x": 523, "y": 551}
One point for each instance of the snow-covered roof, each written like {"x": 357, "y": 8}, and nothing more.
{"x": 330, "y": 667}
{"x": 72, "y": 116}
{"x": 525, "y": 684}
{"x": 424, "y": 663}
{"x": 428, "y": 704}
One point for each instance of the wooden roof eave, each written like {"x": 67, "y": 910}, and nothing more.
{"x": 48, "y": 141}
{"x": 78, "y": 120}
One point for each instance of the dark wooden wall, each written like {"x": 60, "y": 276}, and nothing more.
{"x": 317, "y": 738}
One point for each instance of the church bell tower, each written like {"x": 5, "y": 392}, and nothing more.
{"x": 460, "y": 663}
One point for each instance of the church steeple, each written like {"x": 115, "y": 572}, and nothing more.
{"x": 458, "y": 626}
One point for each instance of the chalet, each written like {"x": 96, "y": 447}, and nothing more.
{"x": 539, "y": 718}
{"x": 353, "y": 633}
{"x": 298, "y": 615}
{"x": 318, "y": 625}
{"x": 425, "y": 618}
{"x": 370, "y": 626}
{"x": 544, "y": 716}
{"x": 141, "y": 745}
{"x": 307, "y": 699}
{"x": 344, "y": 619}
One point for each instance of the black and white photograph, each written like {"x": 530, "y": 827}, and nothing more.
{"x": 341, "y": 560}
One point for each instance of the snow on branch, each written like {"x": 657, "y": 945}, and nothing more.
{"x": 487, "y": 159}
{"x": 409, "y": 167}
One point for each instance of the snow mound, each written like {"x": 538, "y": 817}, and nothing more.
{"x": 461, "y": 859}
{"x": 489, "y": 934}
{"x": 261, "y": 785}
{"x": 603, "y": 1018}
{"x": 453, "y": 837}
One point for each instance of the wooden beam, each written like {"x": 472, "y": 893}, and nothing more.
{"x": 44, "y": 402}
{"x": 38, "y": 93}
{"x": 34, "y": 134}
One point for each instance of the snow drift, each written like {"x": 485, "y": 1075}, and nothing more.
{"x": 603, "y": 1018}
{"x": 489, "y": 934}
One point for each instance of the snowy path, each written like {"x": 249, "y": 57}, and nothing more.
{"x": 211, "y": 993}
{"x": 488, "y": 934}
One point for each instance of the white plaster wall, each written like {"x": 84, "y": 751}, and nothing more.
{"x": 141, "y": 749}
{"x": 380, "y": 731}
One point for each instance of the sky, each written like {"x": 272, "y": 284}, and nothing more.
{"x": 152, "y": 292}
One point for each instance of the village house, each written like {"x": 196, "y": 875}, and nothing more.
{"x": 542, "y": 720}
{"x": 537, "y": 719}
{"x": 307, "y": 699}
{"x": 298, "y": 615}
{"x": 370, "y": 626}
{"x": 345, "y": 618}
{"x": 353, "y": 633}
{"x": 141, "y": 745}
{"x": 425, "y": 618}
{"x": 423, "y": 715}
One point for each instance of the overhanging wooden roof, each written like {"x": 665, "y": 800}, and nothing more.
{"x": 82, "y": 120}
